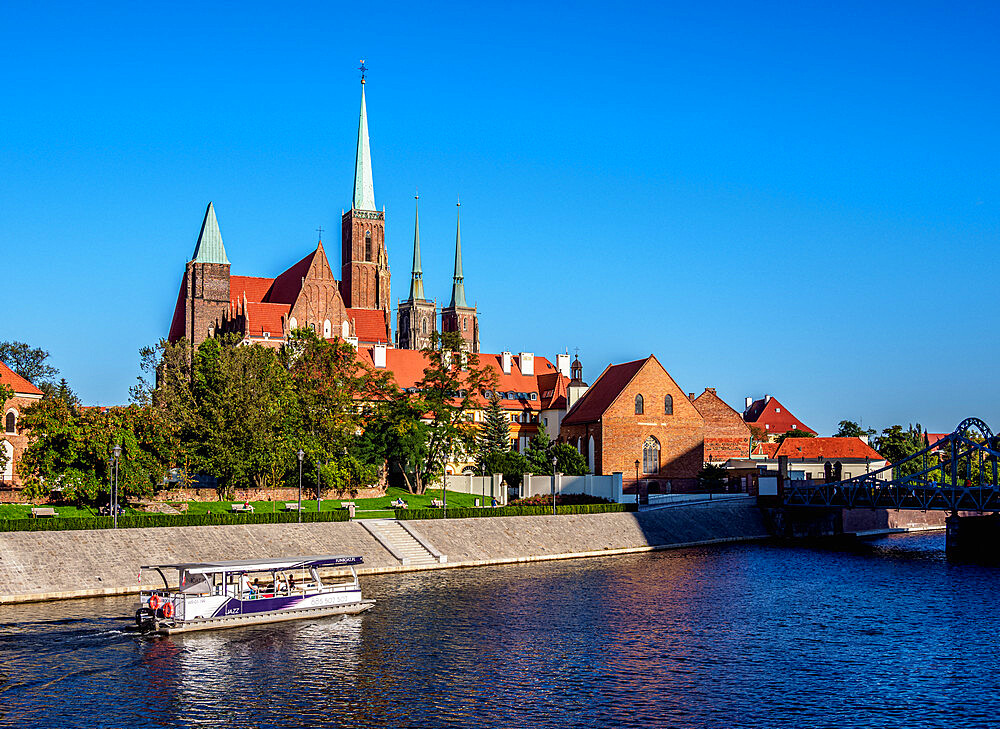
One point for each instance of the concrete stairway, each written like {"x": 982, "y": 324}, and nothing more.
{"x": 403, "y": 542}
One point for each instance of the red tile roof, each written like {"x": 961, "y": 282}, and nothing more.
{"x": 14, "y": 381}
{"x": 255, "y": 288}
{"x": 933, "y": 438}
{"x": 773, "y": 417}
{"x": 369, "y": 325}
{"x": 603, "y": 392}
{"x": 407, "y": 367}
{"x": 827, "y": 448}
{"x": 765, "y": 449}
{"x": 266, "y": 318}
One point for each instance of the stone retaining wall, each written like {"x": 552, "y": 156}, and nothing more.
{"x": 54, "y": 565}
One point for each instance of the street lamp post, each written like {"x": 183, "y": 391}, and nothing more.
{"x": 553, "y": 485}
{"x": 117, "y": 450}
{"x": 299, "y": 510}
{"x": 319, "y": 497}
{"x": 636, "y": 483}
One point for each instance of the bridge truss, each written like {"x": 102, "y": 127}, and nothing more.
{"x": 957, "y": 473}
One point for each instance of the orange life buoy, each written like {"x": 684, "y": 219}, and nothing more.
{"x": 168, "y": 609}
{"x": 154, "y": 602}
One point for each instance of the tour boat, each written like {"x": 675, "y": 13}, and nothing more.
{"x": 208, "y": 595}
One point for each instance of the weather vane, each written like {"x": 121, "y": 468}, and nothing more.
{"x": 364, "y": 69}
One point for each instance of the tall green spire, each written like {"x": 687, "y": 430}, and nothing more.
{"x": 209, "y": 248}
{"x": 364, "y": 188}
{"x": 417, "y": 283}
{"x": 458, "y": 286}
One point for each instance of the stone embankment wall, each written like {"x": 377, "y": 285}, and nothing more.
{"x": 54, "y": 565}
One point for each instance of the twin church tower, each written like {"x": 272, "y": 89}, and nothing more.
{"x": 357, "y": 308}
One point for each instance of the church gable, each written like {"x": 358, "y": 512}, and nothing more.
{"x": 318, "y": 303}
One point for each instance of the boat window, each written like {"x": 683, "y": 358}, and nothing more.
{"x": 196, "y": 585}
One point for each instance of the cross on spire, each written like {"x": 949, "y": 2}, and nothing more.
{"x": 320, "y": 231}
{"x": 364, "y": 69}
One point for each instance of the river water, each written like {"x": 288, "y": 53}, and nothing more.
{"x": 887, "y": 634}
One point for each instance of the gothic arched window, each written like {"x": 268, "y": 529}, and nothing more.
{"x": 465, "y": 324}
{"x": 651, "y": 455}
{"x": 638, "y": 405}
{"x": 10, "y": 424}
{"x": 668, "y": 405}
{"x": 423, "y": 326}
{"x": 368, "y": 245}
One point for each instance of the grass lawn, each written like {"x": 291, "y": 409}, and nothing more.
{"x": 366, "y": 508}
{"x": 23, "y": 511}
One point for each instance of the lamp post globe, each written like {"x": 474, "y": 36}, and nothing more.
{"x": 637, "y": 483}
{"x": 117, "y": 451}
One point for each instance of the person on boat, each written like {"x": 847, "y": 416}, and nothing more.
{"x": 244, "y": 585}
{"x": 279, "y": 583}
{"x": 255, "y": 587}
{"x": 291, "y": 582}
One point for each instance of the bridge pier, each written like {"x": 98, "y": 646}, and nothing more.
{"x": 973, "y": 538}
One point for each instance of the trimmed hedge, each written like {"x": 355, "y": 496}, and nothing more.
{"x": 465, "y": 513}
{"x": 138, "y": 521}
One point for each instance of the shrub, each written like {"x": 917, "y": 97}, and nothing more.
{"x": 513, "y": 510}
{"x": 140, "y": 521}
{"x": 561, "y": 500}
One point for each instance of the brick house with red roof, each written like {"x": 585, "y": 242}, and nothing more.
{"x": 14, "y": 439}
{"x": 772, "y": 417}
{"x": 532, "y": 390}
{"x": 636, "y": 412}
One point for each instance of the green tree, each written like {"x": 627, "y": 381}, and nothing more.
{"x": 712, "y": 478}
{"x": 494, "y": 434}
{"x": 850, "y": 429}
{"x": 63, "y": 391}
{"x": 423, "y": 430}
{"x": 29, "y": 362}
{"x": 541, "y": 449}
{"x": 795, "y": 434}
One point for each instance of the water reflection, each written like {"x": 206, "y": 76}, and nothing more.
{"x": 885, "y": 633}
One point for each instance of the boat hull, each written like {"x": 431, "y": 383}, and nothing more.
{"x": 170, "y": 627}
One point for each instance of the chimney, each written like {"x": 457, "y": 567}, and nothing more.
{"x": 767, "y": 399}
{"x": 710, "y": 389}
{"x": 505, "y": 358}
{"x": 749, "y": 402}
{"x": 691, "y": 396}
{"x": 353, "y": 341}
{"x": 378, "y": 356}
{"x": 446, "y": 359}
{"x": 562, "y": 364}
{"x": 526, "y": 361}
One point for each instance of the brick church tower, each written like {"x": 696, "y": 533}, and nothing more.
{"x": 416, "y": 321}
{"x": 459, "y": 316}
{"x": 203, "y": 302}
{"x": 364, "y": 282}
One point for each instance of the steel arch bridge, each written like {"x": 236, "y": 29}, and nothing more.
{"x": 957, "y": 473}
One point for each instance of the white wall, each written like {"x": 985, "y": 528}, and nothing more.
{"x": 485, "y": 486}
{"x": 605, "y": 487}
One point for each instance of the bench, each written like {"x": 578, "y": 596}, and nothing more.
{"x": 39, "y": 511}
{"x": 437, "y": 504}
{"x": 242, "y": 508}
{"x": 292, "y": 506}
{"x": 349, "y": 505}
{"x": 399, "y": 504}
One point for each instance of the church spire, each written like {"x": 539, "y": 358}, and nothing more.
{"x": 458, "y": 287}
{"x": 364, "y": 188}
{"x": 417, "y": 283}
{"x": 209, "y": 248}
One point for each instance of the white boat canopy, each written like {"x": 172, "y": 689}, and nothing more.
{"x": 261, "y": 565}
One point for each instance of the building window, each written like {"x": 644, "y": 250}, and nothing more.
{"x": 638, "y": 405}
{"x": 465, "y": 324}
{"x": 651, "y": 455}
{"x": 777, "y": 410}
{"x": 423, "y": 327}
{"x": 368, "y": 245}
{"x": 668, "y": 405}
{"x": 10, "y": 423}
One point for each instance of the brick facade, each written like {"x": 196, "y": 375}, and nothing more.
{"x": 619, "y": 434}
{"x": 726, "y": 434}
{"x": 417, "y": 322}
{"x": 206, "y": 299}
{"x": 364, "y": 275}
{"x": 14, "y": 438}
{"x": 465, "y": 321}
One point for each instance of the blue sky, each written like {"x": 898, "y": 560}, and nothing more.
{"x": 783, "y": 198}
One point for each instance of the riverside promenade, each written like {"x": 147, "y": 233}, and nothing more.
{"x": 54, "y": 565}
